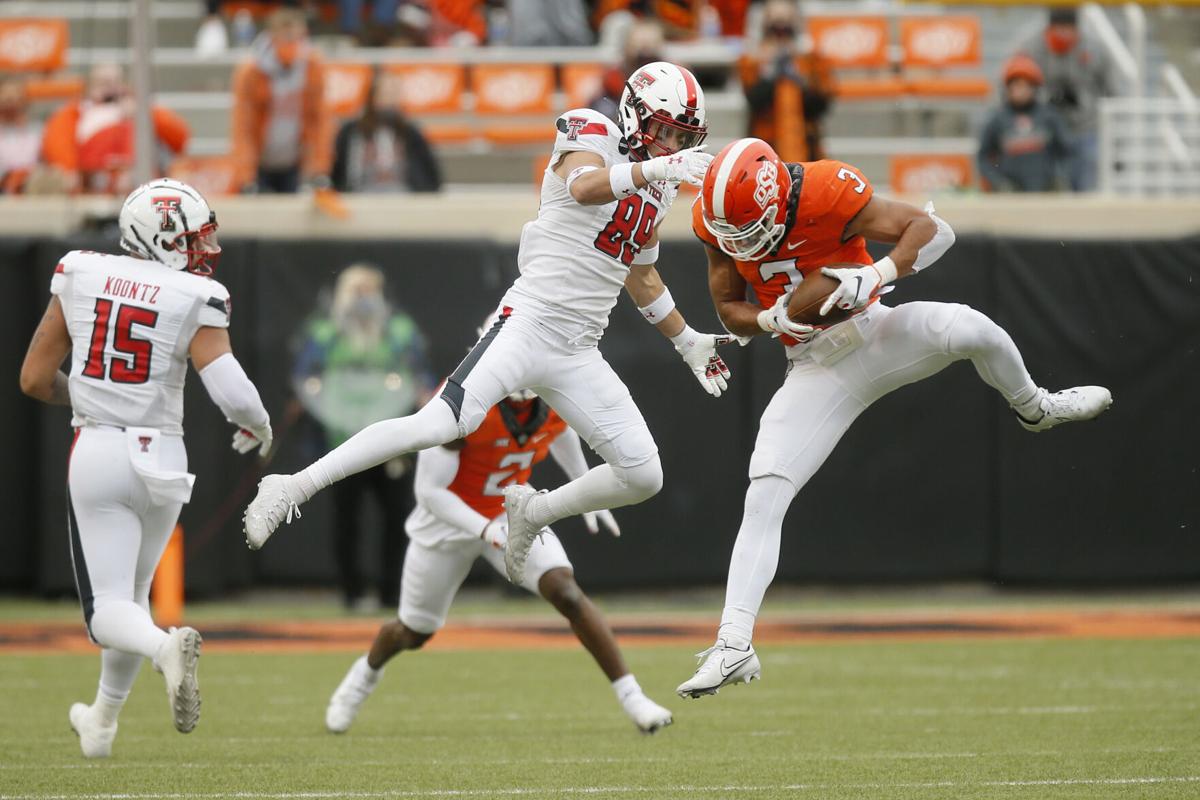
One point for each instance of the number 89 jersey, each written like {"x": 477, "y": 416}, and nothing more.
{"x": 573, "y": 257}
{"x": 131, "y": 323}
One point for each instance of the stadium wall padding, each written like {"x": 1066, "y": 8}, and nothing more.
{"x": 957, "y": 491}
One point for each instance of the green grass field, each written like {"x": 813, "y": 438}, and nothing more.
{"x": 1028, "y": 718}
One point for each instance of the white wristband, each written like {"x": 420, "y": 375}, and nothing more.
{"x": 886, "y": 269}
{"x": 764, "y": 321}
{"x": 685, "y": 339}
{"x": 620, "y": 179}
{"x": 647, "y": 255}
{"x": 659, "y": 307}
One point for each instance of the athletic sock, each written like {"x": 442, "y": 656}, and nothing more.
{"x": 626, "y": 688}
{"x": 107, "y": 707}
{"x": 365, "y": 672}
{"x": 737, "y": 628}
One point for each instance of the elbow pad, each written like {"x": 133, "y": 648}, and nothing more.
{"x": 233, "y": 393}
{"x": 936, "y": 247}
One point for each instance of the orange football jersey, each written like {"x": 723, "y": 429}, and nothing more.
{"x": 502, "y": 452}
{"x": 831, "y": 194}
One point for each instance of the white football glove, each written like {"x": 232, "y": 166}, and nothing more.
{"x": 495, "y": 532}
{"x": 686, "y": 165}
{"x": 246, "y": 439}
{"x": 859, "y": 285}
{"x": 775, "y": 320}
{"x": 699, "y": 352}
{"x": 594, "y": 519}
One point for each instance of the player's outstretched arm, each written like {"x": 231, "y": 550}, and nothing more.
{"x": 698, "y": 350}
{"x": 436, "y": 469}
{"x": 920, "y": 239}
{"x": 593, "y": 184}
{"x": 41, "y": 377}
{"x": 741, "y": 317}
{"x": 567, "y": 451}
{"x": 230, "y": 389}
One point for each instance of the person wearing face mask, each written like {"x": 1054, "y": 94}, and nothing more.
{"x": 361, "y": 363}
{"x": 1077, "y": 74}
{"x": 643, "y": 45}
{"x": 20, "y": 139}
{"x": 91, "y": 141}
{"x": 281, "y": 129}
{"x": 789, "y": 89}
{"x": 1025, "y": 146}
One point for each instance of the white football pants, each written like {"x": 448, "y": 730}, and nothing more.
{"x": 816, "y": 404}
{"x": 519, "y": 353}
{"x": 117, "y": 537}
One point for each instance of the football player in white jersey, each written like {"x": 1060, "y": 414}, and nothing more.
{"x": 129, "y": 324}
{"x": 603, "y": 195}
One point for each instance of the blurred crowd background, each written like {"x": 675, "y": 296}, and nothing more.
{"x": 407, "y": 95}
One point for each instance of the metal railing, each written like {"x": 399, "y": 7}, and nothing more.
{"x": 1150, "y": 146}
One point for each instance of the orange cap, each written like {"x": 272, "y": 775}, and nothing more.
{"x": 1022, "y": 66}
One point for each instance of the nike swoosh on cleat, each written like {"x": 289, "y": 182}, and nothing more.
{"x": 733, "y": 668}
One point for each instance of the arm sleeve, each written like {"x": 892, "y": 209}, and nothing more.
{"x": 341, "y": 148}
{"x": 58, "y": 139}
{"x": 567, "y": 452}
{"x": 244, "y": 122}
{"x": 170, "y": 129}
{"x": 989, "y": 146}
{"x": 436, "y": 468}
{"x": 425, "y": 175}
{"x": 233, "y": 393}
{"x": 318, "y": 124}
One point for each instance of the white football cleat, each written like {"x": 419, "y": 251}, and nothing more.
{"x": 94, "y": 739}
{"x": 648, "y": 715}
{"x": 177, "y": 660}
{"x": 349, "y": 696}
{"x": 1070, "y": 405}
{"x": 269, "y": 509}
{"x": 720, "y": 665}
{"x": 520, "y": 532}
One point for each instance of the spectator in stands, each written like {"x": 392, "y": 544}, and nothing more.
{"x": 789, "y": 90}
{"x": 1025, "y": 145}
{"x": 211, "y": 37}
{"x": 20, "y": 139}
{"x": 643, "y": 44}
{"x": 281, "y": 128}
{"x": 363, "y": 363}
{"x": 91, "y": 141}
{"x": 444, "y": 23}
{"x": 1077, "y": 75}
{"x": 383, "y": 20}
{"x": 680, "y": 19}
{"x": 383, "y": 151}
{"x": 549, "y": 23}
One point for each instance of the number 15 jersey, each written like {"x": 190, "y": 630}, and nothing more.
{"x": 131, "y": 323}
{"x": 574, "y": 258}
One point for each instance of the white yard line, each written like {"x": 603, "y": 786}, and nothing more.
{"x": 610, "y": 790}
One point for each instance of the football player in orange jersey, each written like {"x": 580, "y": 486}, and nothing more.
{"x": 767, "y": 225}
{"x": 460, "y": 517}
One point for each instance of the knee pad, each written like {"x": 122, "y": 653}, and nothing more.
{"x": 973, "y": 332}
{"x": 645, "y": 480}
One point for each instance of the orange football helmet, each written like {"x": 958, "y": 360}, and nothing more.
{"x": 745, "y": 198}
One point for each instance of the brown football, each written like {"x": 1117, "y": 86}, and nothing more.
{"x": 805, "y": 303}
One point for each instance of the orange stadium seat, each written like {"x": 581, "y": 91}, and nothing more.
{"x": 513, "y": 88}
{"x": 934, "y": 44}
{"x": 346, "y": 88}
{"x": 510, "y": 135}
{"x": 921, "y": 174}
{"x": 859, "y": 44}
{"x": 428, "y": 88}
{"x": 68, "y": 87}
{"x": 33, "y": 45}
{"x": 581, "y": 83}
{"x": 449, "y": 134}
{"x": 212, "y": 175}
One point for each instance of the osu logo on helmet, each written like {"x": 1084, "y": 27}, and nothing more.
{"x": 743, "y": 200}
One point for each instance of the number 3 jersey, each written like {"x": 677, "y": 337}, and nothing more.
{"x": 131, "y": 322}
{"x": 831, "y": 194}
{"x": 501, "y": 452}
{"x": 574, "y": 258}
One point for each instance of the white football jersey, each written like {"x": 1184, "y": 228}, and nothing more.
{"x": 574, "y": 258}
{"x": 131, "y": 323}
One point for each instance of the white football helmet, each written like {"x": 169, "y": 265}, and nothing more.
{"x": 662, "y": 111}
{"x": 170, "y": 222}
{"x": 520, "y": 395}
